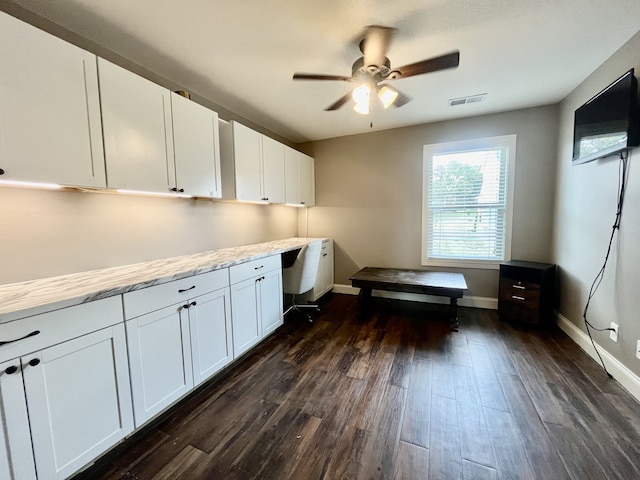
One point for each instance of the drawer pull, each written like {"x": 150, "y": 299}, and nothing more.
{"x": 517, "y": 297}
{"x": 10, "y": 370}
{"x": 34, "y": 361}
{"x": 258, "y": 268}
{"x": 519, "y": 287}
{"x": 32, "y": 334}
{"x": 182, "y": 290}
{"x": 325, "y": 254}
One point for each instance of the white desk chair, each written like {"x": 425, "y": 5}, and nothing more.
{"x": 300, "y": 277}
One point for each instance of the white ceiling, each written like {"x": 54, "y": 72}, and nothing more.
{"x": 241, "y": 54}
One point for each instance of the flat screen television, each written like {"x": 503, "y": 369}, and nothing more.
{"x": 608, "y": 123}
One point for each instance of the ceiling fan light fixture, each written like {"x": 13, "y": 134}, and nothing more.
{"x": 387, "y": 96}
{"x": 361, "y": 95}
{"x": 362, "y": 107}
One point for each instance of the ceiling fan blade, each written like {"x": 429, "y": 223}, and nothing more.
{"x": 375, "y": 44}
{"x": 339, "y": 103}
{"x": 450, "y": 60}
{"x": 319, "y": 76}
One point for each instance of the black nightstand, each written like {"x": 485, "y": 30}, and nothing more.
{"x": 526, "y": 291}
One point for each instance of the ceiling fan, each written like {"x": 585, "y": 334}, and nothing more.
{"x": 374, "y": 67}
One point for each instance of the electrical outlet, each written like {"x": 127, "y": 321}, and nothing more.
{"x": 638, "y": 350}
{"x": 613, "y": 334}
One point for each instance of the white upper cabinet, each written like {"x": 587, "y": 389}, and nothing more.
{"x": 196, "y": 147}
{"x": 292, "y": 176}
{"x": 245, "y": 153}
{"x": 138, "y": 138}
{"x": 50, "y": 127}
{"x": 299, "y": 178}
{"x": 253, "y": 165}
{"x": 272, "y": 170}
{"x": 307, "y": 180}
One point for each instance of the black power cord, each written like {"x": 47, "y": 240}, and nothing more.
{"x": 622, "y": 185}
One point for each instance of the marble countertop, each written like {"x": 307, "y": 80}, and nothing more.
{"x": 18, "y": 300}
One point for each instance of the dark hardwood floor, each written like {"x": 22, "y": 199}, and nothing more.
{"x": 396, "y": 396}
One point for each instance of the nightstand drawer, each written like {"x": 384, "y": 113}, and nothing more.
{"x": 519, "y": 291}
{"x": 519, "y": 300}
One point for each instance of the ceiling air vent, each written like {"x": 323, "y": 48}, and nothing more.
{"x": 465, "y": 100}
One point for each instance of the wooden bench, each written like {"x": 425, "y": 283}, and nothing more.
{"x": 445, "y": 284}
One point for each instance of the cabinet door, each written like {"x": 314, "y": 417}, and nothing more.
{"x": 50, "y": 128}
{"x": 245, "y": 315}
{"x": 210, "y": 329}
{"x": 307, "y": 180}
{"x": 247, "y": 145}
{"x": 196, "y": 148}
{"x": 136, "y": 117}
{"x": 292, "y": 176}
{"x": 16, "y": 455}
{"x": 158, "y": 345}
{"x": 272, "y": 170}
{"x": 79, "y": 400}
{"x": 324, "y": 280}
{"x": 271, "y": 301}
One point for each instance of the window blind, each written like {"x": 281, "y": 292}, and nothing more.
{"x": 467, "y": 204}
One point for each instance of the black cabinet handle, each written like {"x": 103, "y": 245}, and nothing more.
{"x": 303, "y": 203}
{"x": 1, "y": 171}
{"x": 258, "y": 268}
{"x": 175, "y": 189}
{"x": 182, "y": 290}
{"x": 32, "y": 334}
{"x": 325, "y": 254}
{"x": 35, "y": 361}
{"x": 192, "y": 304}
{"x": 186, "y": 305}
{"x": 11, "y": 369}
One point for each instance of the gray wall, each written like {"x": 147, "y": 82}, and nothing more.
{"x": 48, "y": 233}
{"x": 585, "y": 211}
{"x": 369, "y": 192}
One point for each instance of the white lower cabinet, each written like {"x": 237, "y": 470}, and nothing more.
{"x": 271, "y": 301}
{"x": 324, "y": 280}
{"x": 211, "y": 337}
{"x": 245, "y": 315}
{"x": 76, "y": 393}
{"x": 256, "y": 301}
{"x": 16, "y": 455}
{"x": 183, "y": 339}
{"x": 158, "y": 345}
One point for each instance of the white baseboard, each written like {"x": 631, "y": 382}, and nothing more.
{"x": 475, "y": 302}
{"x": 629, "y": 380}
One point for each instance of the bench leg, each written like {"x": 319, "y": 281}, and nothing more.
{"x": 453, "y": 314}
{"x": 364, "y": 299}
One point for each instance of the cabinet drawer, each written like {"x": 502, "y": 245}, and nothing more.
{"x": 244, "y": 271}
{"x": 519, "y": 300}
{"x": 58, "y": 326}
{"x": 518, "y": 289}
{"x": 153, "y": 298}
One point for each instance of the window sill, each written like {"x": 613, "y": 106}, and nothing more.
{"x": 451, "y": 263}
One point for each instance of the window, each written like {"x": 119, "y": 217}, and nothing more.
{"x": 467, "y": 197}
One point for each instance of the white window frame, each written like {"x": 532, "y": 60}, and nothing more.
{"x": 508, "y": 141}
